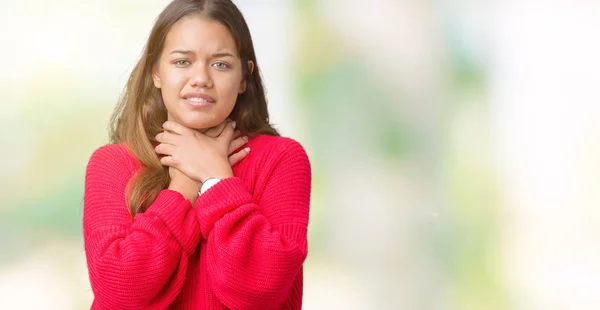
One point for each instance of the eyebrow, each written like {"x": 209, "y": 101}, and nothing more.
{"x": 216, "y": 55}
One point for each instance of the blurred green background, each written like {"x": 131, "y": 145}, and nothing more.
{"x": 455, "y": 145}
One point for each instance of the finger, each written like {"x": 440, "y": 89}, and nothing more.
{"x": 167, "y": 137}
{"x": 225, "y": 125}
{"x": 168, "y": 161}
{"x": 236, "y": 144}
{"x": 216, "y": 131}
{"x": 228, "y": 132}
{"x": 165, "y": 149}
{"x": 174, "y": 127}
{"x": 237, "y": 157}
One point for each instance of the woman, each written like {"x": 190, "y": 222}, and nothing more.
{"x": 177, "y": 215}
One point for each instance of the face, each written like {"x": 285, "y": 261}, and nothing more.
{"x": 199, "y": 73}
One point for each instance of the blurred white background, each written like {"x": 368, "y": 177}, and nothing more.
{"x": 455, "y": 145}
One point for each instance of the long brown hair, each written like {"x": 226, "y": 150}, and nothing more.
{"x": 140, "y": 113}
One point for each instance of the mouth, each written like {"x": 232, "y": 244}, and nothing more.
{"x": 198, "y": 99}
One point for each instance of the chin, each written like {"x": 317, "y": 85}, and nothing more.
{"x": 199, "y": 120}
{"x": 199, "y": 123}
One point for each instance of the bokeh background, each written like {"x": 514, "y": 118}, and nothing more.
{"x": 455, "y": 145}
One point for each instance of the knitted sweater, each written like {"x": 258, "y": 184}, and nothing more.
{"x": 240, "y": 246}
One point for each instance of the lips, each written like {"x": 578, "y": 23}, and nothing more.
{"x": 199, "y": 98}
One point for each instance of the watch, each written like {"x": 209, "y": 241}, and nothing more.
{"x": 208, "y": 183}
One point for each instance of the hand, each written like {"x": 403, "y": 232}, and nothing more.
{"x": 196, "y": 154}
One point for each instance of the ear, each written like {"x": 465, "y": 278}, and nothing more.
{"x": 156, "y": 77}
{"x": 245, "y": 79}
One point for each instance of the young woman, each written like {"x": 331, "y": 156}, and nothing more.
{"x": 178, "y": 212}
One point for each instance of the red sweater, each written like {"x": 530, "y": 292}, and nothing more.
{"x": 241, "y": 246}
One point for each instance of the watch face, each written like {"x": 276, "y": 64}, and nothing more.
{"x": 208, "y": 184}
{"x": 212, "y": 182}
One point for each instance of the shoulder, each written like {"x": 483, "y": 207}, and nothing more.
{"x": 275, "y": 143}
{"x": 275, "y": 150}
{"x": 277, "y": 146}
{"x": 114, "y": 156}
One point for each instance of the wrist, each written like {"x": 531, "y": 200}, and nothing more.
{"x": 188, "y": 191}
{"x": 218, "y": 175}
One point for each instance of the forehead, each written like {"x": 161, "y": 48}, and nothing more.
{"x": 200, "y": 35}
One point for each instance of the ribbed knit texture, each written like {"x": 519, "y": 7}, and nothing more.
{"x": 241, "y": 246}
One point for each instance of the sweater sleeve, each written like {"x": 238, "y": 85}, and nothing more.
{"x": 140, "y": 262}
{"x": 255, "y": 250}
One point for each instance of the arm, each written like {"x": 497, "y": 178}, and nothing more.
{"x": 133, "y": 263}
{"x": 255, "y": 250}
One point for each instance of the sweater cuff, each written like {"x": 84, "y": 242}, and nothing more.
{"x": 174, "y": 210}
{"x": 218, "y": 200}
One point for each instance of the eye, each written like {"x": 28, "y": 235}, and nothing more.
{"x": 220, "y": 65}
{"x": 182, "y": 63}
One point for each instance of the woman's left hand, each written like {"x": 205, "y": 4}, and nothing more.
{"x": 195, "y": 154}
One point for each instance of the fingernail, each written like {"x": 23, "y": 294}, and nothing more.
{"x": 247, "y": 150}
{"x": 245, "y": 138}
{"x": 233, "y": 124}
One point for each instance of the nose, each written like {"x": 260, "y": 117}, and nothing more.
{"x": 201, "y": 76}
